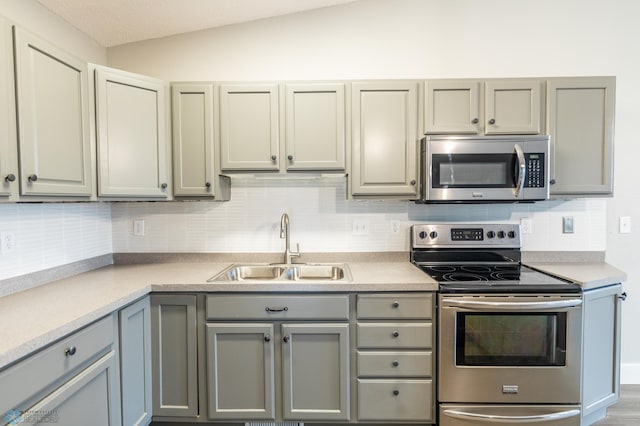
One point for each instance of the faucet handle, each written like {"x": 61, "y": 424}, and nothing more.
{"x": 297, "y": 252}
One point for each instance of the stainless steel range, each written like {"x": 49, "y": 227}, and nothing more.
{"x": 509, "y": 336}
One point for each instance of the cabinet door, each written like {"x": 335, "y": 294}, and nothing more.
{"x": 601, "y": 352}
{"x": 131, "y": 135}
{"x": 249, "y": 127}
{"x": 240, "y": 371}
{"x": 193, "y": 147}
{"x": 174, "y": 355}
{"x": 135, "y": 363}
{"x": 53, "y": 126}
{"x": 580, "y": 116}
{"x": 87, "y": 399}
{"x": 453, "y": 106}
{"x": 8, "y": 140}
{"x": 315, "y": 376}
{"x": 513, "y": 106}
{"x": 385, "y": 141}
{"x": 315, "y": 126}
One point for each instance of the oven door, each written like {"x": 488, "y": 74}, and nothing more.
{"x": 485, "y": 415}
{"x": 510, "y": 348}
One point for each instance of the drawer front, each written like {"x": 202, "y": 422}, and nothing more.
{"x": 396, "y": 400}
{"x": 26, "y": 379}
{"x": 277, "y": 308}
{"x": 399, "y": 306}
{"x": 395, "y": 335}
{"x": 395, "y": 364}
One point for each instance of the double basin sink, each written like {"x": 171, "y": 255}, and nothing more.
{"x": 299, "y": 272}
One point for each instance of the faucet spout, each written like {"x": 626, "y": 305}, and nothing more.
{"x": 284, "y": 233}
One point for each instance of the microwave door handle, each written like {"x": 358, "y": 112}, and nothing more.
{"x": 492, "y": 418}
{"x": 521, "y": 170}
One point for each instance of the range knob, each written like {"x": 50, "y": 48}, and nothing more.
{"x": 433, "y": 234}
{"x": 423, "y": 235}
{"x": 512, "y": 234}
{"x": 491, "y": 234}
{"x": 500, "y": 234}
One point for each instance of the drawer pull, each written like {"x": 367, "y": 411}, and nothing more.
{"x": 70, "y": 351}
{"x": 276, "y": 309}
{"x": 395, "y": 333}
{"x": 396, "y": 392}
{"x": 396, "y": 304}
{"x": 395, "y": 363}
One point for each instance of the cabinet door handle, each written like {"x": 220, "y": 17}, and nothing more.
{"x": 413, "y": 182}
{"x": 492, "y": 121}
{"x": 267, "y": 338}
{"x": 395, "y": 333}
{"x": 290, "y": 157}
{"x": 274, "y": 158}
{"x": 33, "y": 177}
{"x": 286, "y": 339}
{"x": 276, "y": 309}
{"x": 623, "y": 296}
{"x": 552, "y": 182}
{"x": 164, "y": 186}
{"x": 207, "y": 185}
{"x": 475, "y": 121}
{"x": 70, "y": 351}
{"x": 396, "y": 392}
{"x": 10, "y": 177}
{"x": 395, "y": 363}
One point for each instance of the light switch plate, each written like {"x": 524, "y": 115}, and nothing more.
{"x": 625, "y": 225}
{"x": 526, "y": 225}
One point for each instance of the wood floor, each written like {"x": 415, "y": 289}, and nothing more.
{"x": 627, "y": 411}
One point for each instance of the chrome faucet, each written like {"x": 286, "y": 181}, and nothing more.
{"x": 284, "y": 233}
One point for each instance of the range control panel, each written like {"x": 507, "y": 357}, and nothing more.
{"x": 502, "y": 235}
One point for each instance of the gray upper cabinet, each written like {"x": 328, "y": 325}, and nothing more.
{"x": 385, "y": 141}
{"x": 500, "y": 106}
{"x": 315, "y": 126}
{"x": 132, "y": 141}
{"x": 249, "y": 127}
{"x": 8, "y": 141}
{"x": 195, "y": 158}
{"x": 580, "y": 119}
{"x": 53, "y": 125}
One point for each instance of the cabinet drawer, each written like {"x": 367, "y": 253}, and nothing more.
{"x": 395, "y": 364}
{"x": 24, "y": 380}
{"x": 395, "y": 335}
{"x": 400, "y": 306}
{"x": 285, "y": 307}
{"x": 396, "y": 400}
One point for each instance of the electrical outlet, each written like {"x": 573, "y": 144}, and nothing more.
{"x": 7, "y": 242}
{"x": 138, "y": 228}
{"x": 567, "y": 225}
{"x": 360, "y": 227}
{"x": 395, "y": 227}
{"x": 625, "y": 225}
{"x": 526, "y": 225}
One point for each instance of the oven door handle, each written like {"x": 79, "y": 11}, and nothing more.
{"x": 509, "y": 306}
{"x": 521, "y": 170}
{"x": 512, "y": 419}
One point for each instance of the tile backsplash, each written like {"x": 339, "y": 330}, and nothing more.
{"x": 323, "y": 220}
{"x": 46, "y": 235}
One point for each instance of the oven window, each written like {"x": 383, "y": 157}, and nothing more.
{"x": 511, "y": 339}
{"x": 473, "y": 170}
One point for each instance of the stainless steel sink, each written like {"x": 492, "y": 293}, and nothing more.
{"x": 299, "y": 272}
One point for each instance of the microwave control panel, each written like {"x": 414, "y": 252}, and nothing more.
{"x": 534, "y": 177}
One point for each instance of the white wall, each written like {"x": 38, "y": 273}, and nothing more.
{"x": 49, "y": 235}
{"x": 407, "y": 39}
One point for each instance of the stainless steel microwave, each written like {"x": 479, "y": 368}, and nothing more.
{"x": 484, "y": 169}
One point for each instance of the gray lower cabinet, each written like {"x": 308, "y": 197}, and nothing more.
{"x": 73, "y": 382}
{"x": 291, "y": 365}
{"x": 135, "y": 362}
{"x": 580, "y": 120}
{"x": 601, "y": 351}
{"x": 396, "y": 365}
{"x": 174, "y": 355}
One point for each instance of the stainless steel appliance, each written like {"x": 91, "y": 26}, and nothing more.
{"x": 480, "y": 169}
{"x": 509, "y": 336}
